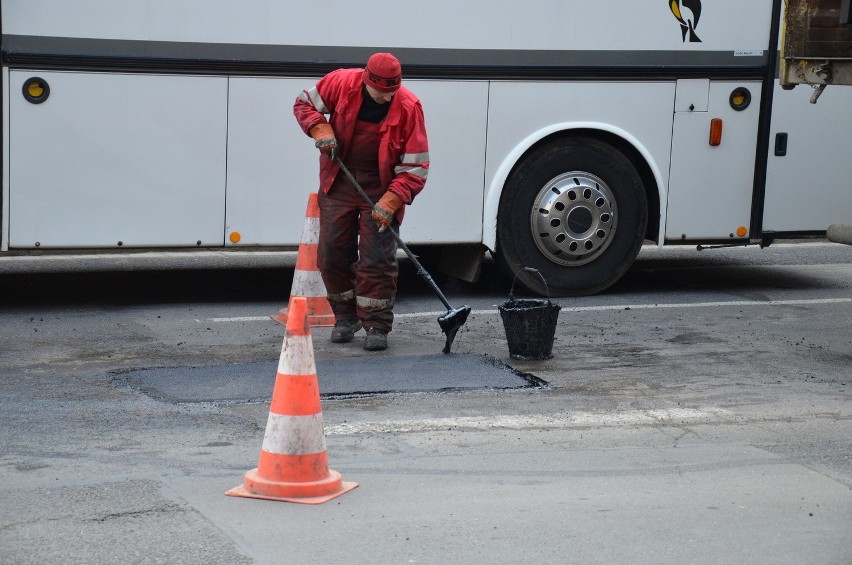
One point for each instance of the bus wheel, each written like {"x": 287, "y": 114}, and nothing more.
{"x": 575, "y": 210}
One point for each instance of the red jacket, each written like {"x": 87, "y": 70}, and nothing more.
{"x": 403, "y": 147}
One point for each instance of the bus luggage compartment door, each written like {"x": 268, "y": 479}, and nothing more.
{"x": 711, "y": 186}
{"x": 109, "y": 160}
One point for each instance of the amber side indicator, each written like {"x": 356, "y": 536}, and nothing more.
{"x": 716, "y": 132}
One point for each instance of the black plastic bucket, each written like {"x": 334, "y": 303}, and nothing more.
{"x": 530, "y": 324}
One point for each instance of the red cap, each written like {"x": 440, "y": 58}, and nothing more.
{"x": 383, "y": 72}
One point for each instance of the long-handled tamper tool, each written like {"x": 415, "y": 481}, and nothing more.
{"x": 455, "y": 317}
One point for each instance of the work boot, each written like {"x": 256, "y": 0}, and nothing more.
{"x": 376, "y": 340}
{"x": 344, "y": 331}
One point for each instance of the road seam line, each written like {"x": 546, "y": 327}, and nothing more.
{"x": 601, "y": 308}
{"x": 675, "y": 305}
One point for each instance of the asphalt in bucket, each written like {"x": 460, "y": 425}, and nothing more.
{"x": 363, "y": 376}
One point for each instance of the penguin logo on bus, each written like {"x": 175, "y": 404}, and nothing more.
{"x": 688, "y": 19}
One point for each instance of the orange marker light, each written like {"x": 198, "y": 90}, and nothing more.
{"x": 742, "y": 231}
{"x": 716, "y": 132}
{"x": 35, "y": 89}
{"x": 740, "y": 98}
{"x": 234, "y": 237}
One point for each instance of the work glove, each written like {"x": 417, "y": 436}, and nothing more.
{"x": 385, "y": 209}
{"x": 324, "y": 139}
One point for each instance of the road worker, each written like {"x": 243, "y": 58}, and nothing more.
{"x": 376, "y": 128}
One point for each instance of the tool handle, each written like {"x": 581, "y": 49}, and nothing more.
{"x": 420, "y": 270}
{"x": 529, "y": 270}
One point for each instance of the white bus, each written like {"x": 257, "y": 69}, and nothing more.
{"x": 563, "y": 134}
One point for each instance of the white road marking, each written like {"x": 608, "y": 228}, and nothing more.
{"x": 241, "y": 319}
{"x": 674, "y": 305}
{"x": 720, "y": 304}
{"x": 537, "y": 421}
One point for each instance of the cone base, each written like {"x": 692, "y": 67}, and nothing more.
{"x": 316, "y": 320}
{"x": 243, "y": 492}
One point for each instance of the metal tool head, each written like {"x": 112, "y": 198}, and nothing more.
{"x": 451, "y": 322}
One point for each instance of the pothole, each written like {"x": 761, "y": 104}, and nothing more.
{"x": 339, "y": 378}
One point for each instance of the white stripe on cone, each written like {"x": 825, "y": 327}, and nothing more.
{"x": 294, "y": 435}
{"x": 310, "y": 233}
{"x": 297, "y": 356}
{"x": 308, "y": 284}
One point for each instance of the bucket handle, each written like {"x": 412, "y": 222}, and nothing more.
{"x": 530, "y": 270}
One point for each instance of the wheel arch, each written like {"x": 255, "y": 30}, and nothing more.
{"x": 626, "y": 143}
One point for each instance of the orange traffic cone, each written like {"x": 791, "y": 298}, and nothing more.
{"x": 307, "y": 281}
{"x": 293, "y": 463}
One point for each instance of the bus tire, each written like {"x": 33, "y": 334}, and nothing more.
{"x": 575, "y": 210}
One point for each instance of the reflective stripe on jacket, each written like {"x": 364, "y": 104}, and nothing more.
{"x": 403, "y": 147}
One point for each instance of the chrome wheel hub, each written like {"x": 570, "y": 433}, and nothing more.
{"x": 574, "y": 218}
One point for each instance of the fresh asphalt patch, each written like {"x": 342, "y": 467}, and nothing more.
{"x": 362, "y": 376}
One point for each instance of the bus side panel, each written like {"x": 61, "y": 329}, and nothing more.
{"x": 628, "y": 25}
{"x": 449, "y": 210}
{"x": 273, "y": 165}
{"x": 117, "y": 160}
{"x": 711, "y": 187}
{"x": 810, "y": 187}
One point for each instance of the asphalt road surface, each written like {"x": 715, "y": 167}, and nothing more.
{"x": 696, "y": 412}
